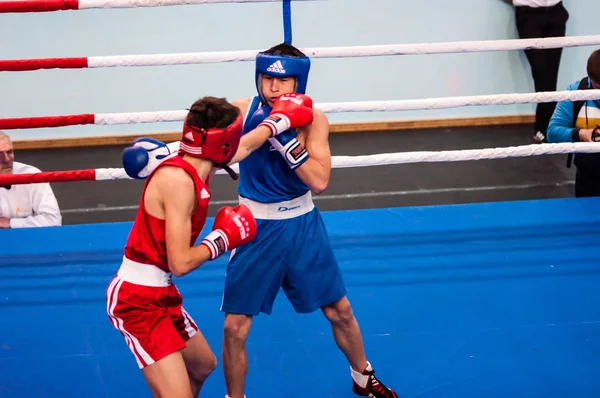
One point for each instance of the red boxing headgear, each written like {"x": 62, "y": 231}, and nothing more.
{"x": 218, "y": 145}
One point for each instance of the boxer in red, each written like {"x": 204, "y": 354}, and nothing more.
{"x": 142, "y": 301}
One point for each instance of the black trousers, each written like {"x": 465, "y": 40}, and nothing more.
{"x": 587, "y": 184}
{"x": 538, "y": 23}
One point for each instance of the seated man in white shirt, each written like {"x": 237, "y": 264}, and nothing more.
{"x": 28, "y": 205}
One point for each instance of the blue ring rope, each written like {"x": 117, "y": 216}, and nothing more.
{"x": 287, "y": 21}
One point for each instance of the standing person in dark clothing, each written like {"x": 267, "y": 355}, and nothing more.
{"x": 539, "y": 19}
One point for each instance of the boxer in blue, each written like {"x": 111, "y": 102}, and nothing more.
{"x": 284, "y": 159}
{"x": 278, "y": 176}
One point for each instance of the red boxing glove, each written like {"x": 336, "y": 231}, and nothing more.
{"x": 233, "y": 227}
{"x": 289, "y": 111}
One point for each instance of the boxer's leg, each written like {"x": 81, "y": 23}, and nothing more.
{"x": 314, "y": 280}
{"x": 150, "y": 335}
{"x": 254, "y": 275}
{"x": 199, "y": 359}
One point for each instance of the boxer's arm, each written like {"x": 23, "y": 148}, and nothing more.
{"x": 179, "y": 197}
{"x": 315, "y": 172}
{"x": 252, "y": 140}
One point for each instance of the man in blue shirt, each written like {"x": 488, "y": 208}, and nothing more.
{"x": 575, "y": 121}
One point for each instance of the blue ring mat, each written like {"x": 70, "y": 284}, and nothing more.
{"x": 479, "y": 300}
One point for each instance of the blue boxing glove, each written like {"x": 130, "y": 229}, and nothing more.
{"x": 142, "y": 157}
{"x": 290, "y": 148}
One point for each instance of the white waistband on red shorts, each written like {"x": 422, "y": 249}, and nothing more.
{"x": 143, "y": 274}
{"x": 280, "y": 210}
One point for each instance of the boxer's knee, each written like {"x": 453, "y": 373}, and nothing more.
{"x": 201, "y": 371}
{"x": 339, "y": 313}
{"x": 236, "y": 328}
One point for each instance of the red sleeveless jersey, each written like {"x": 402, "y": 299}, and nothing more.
{"x": 146, "y": 243}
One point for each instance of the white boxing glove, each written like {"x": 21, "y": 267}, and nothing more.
{"x": 142, "y": 157}
{"x": 173, "y": 146}
{"x": 290, "y": 148}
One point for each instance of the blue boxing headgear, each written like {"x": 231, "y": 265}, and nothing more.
{"x": 282, "y": 66}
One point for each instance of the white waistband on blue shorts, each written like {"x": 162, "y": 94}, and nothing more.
{"x": 143, "y": 274}
{"x": 280, "y": 210}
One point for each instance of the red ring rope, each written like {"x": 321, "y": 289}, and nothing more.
{"x": 45, "y": 121}
{"x": 21, "y": 65}
{"x": 38, "y": 6}
{"x": 49, "y": 176}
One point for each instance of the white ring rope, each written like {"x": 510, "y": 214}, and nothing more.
{"x": 463, "y": 155}
{"x": 384, "y": 159}
{"x": 86, "y": 4}
{"x": 337, "y": 161}
{"x": 375, "y": 106}
{"x": 455, "y": 102}
{"x": 349, "y": 51}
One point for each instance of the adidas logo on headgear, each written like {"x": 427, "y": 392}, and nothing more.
{"x": 276, "y": 67}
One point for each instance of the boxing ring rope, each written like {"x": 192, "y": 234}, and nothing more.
{"x": 383, "y": 159}
{"x": 364, "y": 106}
{"x": 27, "y": 6}
{"x": 21, "y": 65}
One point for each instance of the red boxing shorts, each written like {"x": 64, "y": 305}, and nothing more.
{"x": 145, "y": 306}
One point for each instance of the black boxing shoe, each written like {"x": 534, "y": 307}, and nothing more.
{"x": 372, "y": 386}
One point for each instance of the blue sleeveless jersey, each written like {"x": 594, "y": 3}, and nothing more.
{"x": 265, "y": 176}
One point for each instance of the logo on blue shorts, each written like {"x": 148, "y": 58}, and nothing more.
{"x": 283, "y": 208}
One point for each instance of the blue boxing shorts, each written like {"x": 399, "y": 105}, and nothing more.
{"x": 291, "y": 251}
